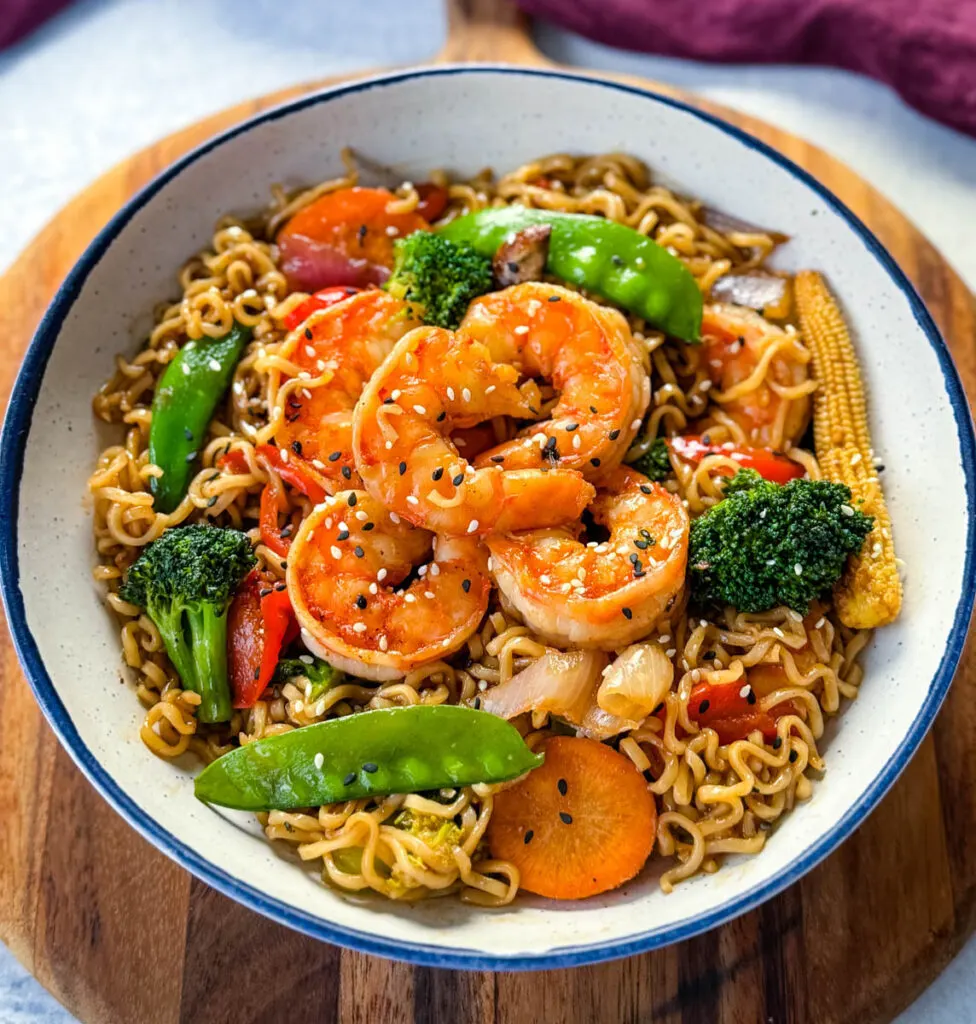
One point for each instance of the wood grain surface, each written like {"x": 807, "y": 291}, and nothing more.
{"x": 123, "y": 936}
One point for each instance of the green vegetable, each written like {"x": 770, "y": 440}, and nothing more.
{"x": 186, "y": 398}
{"x": 605, "y": 257}
{"x": 373, "y": 753}
{"x": 319, "y": 674}
{"x": 655, "y": 463}
{"x": 185, "y": 582}
{"x": 438, "y": 277}
{"x": 768, "y": 544}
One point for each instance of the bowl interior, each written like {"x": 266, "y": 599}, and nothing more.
{"x": 464, "y": 120}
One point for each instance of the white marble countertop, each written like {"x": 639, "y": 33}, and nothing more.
{"x": 110, "y": 76}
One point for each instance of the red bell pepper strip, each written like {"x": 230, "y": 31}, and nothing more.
{"x": 732, "y": 710}
{"x": 293, "y": 470}
{"x": 770, "y": 465}
{"x": 259, "y": 624}
{"x": 271, "y": 502}
{"x": 433, "y": 200}
{"x": 233, "y": 460}
{"x": 320, "y": 300}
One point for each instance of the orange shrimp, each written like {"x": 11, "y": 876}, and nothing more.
{"x": 589, "y": 355}
{"x": 346, "y": 577}
{"x": 337, "y": 350}
{"x": 433, "y": 383}
{"x": 763, "y": 375}
{"x": 606, "y": 594}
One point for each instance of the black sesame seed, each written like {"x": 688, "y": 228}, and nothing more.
{"x": 335, "y": 456}
{"x": 466, "y": 585}
{"x": 777, "y": 743}
{"x": 361, "y": 601}
{"x": 642, "y": 544}
{"x": 346, "y": 472}
{"x": 635, "y": 560}
{"x": 351, "y": 501}
{"x": 441, "y": 416}
{"x": 264, "y": 592}
{"x": 562, "y": 787}
{"x": 645, "y": 489}
{"x": 402, "y": 467}
{"x": 593, "y": 409}
{"x": 257, "y": 672}
{"x": 458, "y": 480}
{"x": 566, "y": 819}
{"x": 368, "y": 526}
{"x": 296, "y": 447}
{"x": 308, "y": 333}
{"x": 342, "y": 535}
{"x": 553, "y": 298}
{"x": 280, "y": 587}
{"x": 387, "y": 401}
{"x": 361, "y": 233}
{"x": 191, "y": 456}
{"x": 751, "y": 697}
{"x": 792, "y": 756}
{"x": 703, "y": 707}
{"x": 660, "y": 707}
{"x": 614, "y": 434}
{"x": 358, "y": 551}
{"x": 371, "y": 767}
{"x": 349, "y": 779}
{"x": 709, "y": 656}
{"x": 286, "y": 531}
{"x": 513, "y": 266}
{"x": 498, "y": 458}
{"x": 572, "y": 427}
{"x": 594, "y": 462}
{"x": 628, "y": 614}
{"x": 437, "y": 474}
{"x": 213, "y": 501}
{"x": 616, "y": 260}
{"x": 528, "y": 837}
{"x": 187, "y": 433}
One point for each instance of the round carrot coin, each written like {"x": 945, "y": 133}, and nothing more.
{"x": 582, "y": 824}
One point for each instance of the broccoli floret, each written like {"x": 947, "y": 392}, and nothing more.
{"x": 438, "y": 278}
{"x": 185, "y": 582}
{"x": 655, "y": 463}
{"x": 319, "y": 675}
{"x": 767, "y": 545}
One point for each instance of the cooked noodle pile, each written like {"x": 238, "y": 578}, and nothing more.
{"x": 713, "y": 799}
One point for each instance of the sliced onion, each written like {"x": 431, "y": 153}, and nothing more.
{"x": 756, "y": 290}
{"x": 561, "y": 683}
{"x": 310, "y": 265}
{"x": 636, "y": 682}
{"x": 726, "y": 224}
{"x": 598, "y": 724}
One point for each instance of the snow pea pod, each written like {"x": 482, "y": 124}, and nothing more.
{"x": 605, "y": 257}
{"x": 373, "y": 753}
{"x": 184, "y": 403}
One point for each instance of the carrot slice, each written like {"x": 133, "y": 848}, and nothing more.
{"x": 582, "y": 824}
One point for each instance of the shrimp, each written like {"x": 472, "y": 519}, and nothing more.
{"x": 361, "y": 603}
{"x": 607, "y": 594}
{"x": 763, "y": 373}
{"x": 336, "y": 350}
{"x": 433, "y": 383}
{"x": 591, "y": 358}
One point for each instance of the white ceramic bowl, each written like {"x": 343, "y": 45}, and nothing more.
{"x": 463, "y": 119}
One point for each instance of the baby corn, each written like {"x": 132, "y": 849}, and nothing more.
{"x": 869, "y": 593}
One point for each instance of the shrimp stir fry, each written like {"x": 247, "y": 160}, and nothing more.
{"x": 377, "y": 597}
{"x": 433, "y": 383}
{"x": 603, "y": 594}
{"x": 592, "y": 360}
{"x": 760, "y": 375}
{"x": 336, "y": 350}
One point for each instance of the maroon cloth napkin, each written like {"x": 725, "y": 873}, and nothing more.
{"x": 924, "y": 49}
{"x": 18, "y": 17}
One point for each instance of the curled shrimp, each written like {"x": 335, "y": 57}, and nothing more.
{"x": 599, "y": 594}
{"x": 760, "y": 374}
{"x": 336, "y": 351}
{"x": 433, "y": 383}
{"x": 367, "y": 598}
{"x": 589, "y": 355}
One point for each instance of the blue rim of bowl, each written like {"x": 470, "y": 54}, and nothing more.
{"x": 12, "y": 449}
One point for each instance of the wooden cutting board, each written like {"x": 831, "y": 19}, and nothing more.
{"x": 120, "y": 934}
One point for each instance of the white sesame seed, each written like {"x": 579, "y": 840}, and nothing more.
{"x": 577, "y": 443}
{"x": 795, "y": 616}
{"x": 389, "y": 445}
{"x": 744, "y": 692}
{"x": 186, "y": 368}
{"x": 328, "y": 520}
{"x": 359, "y": 627}
{"x": 522, "y": 329}
{"x": 361, "y": 515}
{"x": 847, "y": 510}
{"x": 409, "y": 598}
{"x": 320, "y": 365}
{"x": 319, "y": 760}
{"x": 664, "y": 638}
{"x": 384, "y": 643}
{"x": 422, "y": 571}
{"x": 819, "y": 624}
{"x": 581, "y": 573}
{"x": 429, "y": 594}
{"x": 284, "y": 454}
{"x": 306, "y": 393}
{"x": 306, "y": 659}
{"x": 214, "y": 365}
{"x": 304, "y": 375}
{"x": 489, "y": 389}
{"x": 318, "y": 463}
{"x": 381, "y": 575}
{"x": 395, "y": 394}
{"x": 770, "y": 561}
{"x": 482, "y": 685}
{"x": 472, "y": 526}
{"x": 394, "y": 518}
{"x": 336, "y": 553}
{"x": 310, "y": 351}
{"x": 298, "y": 707}
{"x": 696, "y": 675}
{"x": 412, "y": 500}
{"x": 671, "y": 652}
{"x": 545, "y": 580}
{"x": 466, "y": 394}
{"x": 435, "y": 569}
{"x": 420, "y": 410}
{"x": 777, "y": 631}
{"x": 491, "y": 564}
{"x": 450, "y": 394}
{"x": 635, "y": 425}
{"x": 392, "y": 231}
{"x": 706, "y": 385}
{"x": 798, "y": 569}
{"x": 374, "y": 589}
{"x": 459, "y": 442}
